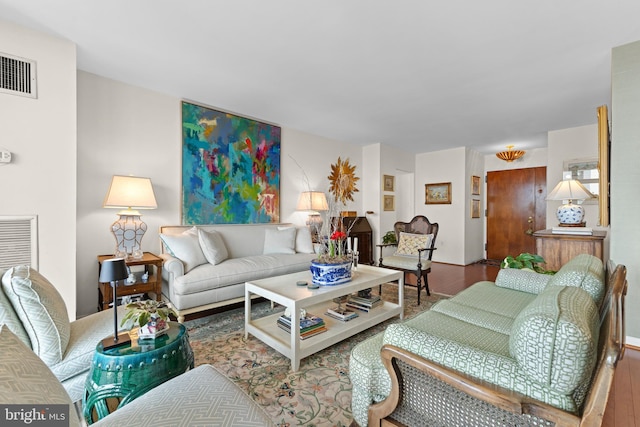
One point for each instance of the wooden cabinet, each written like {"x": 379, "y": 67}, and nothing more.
{"x": 359, "y": 227}
{"x": 558, "y": 249}
{"x": 153, "y": 283}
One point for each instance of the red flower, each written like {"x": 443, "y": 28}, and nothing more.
{"x": 338, "y": 235}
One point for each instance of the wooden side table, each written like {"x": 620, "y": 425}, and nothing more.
{"x": 153, "y": 284}
{"x": 558, "y": 249}
{"x": 121, "y": 374}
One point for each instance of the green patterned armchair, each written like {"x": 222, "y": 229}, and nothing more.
{"x": 529, "y": 349}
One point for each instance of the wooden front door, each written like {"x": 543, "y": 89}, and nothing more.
{"x": 516, "y": 207}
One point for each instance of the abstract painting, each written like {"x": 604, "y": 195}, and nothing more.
{"x": 230, "y": 168}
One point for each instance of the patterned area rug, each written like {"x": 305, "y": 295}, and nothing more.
{"x": 319, "y": 394}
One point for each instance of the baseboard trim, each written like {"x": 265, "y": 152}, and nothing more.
{"x": 633, "y": 343}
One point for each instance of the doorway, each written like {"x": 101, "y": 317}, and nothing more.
{"x": 516, "y": 207}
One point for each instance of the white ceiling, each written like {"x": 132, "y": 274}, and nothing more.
{"x": 423, "y": 75}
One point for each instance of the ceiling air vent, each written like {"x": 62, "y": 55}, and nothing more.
{"x": 17, "y": 76}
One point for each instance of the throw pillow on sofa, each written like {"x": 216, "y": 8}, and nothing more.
{"x": 304, "y": 244}
{"x": 522, "y": 280}
{"x": 41, "y": 310}
{"x": 212, "y": 246}
{"x": 279, "y": 241}
{"x": 186, "y": 247}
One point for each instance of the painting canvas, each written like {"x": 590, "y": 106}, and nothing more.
{"x": 436, "y": 194}
{"x": 230, "y": 168}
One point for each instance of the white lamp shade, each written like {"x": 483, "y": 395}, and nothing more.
{"x": 570, "y": 189}
{"x": 312, "y": 201}
{"x": 130, "y": 192}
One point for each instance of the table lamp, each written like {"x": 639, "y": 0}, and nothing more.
{"x": 570, "y": 215}
{"x": 129, "y": 193}
{"x": 312, "y": 202}
{"x": 112, "y": 271}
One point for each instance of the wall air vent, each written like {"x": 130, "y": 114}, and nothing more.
{"x": 17, "y": 76}
{"x": 18, "y": 241}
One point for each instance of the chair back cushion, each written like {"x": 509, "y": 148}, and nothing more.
{"x": 41, "y": 310}
{"x": 555, "y": 338}
{"x": 9, "y": 318}
{"x": 410, "y": 243}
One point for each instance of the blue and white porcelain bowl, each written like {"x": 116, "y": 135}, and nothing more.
{"x": 330, "y": 274}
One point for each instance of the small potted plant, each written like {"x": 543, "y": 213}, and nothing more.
{"x": 526, "y": 261}
{"x": 149, "y": 316}
{"x": 389, "y": 238}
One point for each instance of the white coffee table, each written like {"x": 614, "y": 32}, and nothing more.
{"x": 283, "y": 290}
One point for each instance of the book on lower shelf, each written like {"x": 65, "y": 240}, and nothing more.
{"x": 581, "y": 231}
{"x": 309, "y": 326}
{"x": 341, "y": 314}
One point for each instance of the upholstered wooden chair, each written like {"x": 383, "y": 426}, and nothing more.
{"x": 416, "y": 241}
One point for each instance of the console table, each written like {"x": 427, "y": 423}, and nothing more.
{"x": 558, "y": 249}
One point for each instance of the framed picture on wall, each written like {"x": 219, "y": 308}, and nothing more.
{"x": 437, "y": 194}
{"x": 475, "y": 208}
{"x": 475, "y": 185}
{"x": 388, "y": 182}
{"x": 389, "y": 203}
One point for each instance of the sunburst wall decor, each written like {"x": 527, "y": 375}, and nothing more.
{"x": 343, "y": 181}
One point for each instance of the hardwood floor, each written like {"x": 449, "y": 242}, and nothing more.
{"x": 623, "y": 407}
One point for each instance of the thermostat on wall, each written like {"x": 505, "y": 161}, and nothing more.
{"x": 5, "y": 156}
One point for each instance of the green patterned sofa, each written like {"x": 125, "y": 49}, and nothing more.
{"x": 526, "y": 344}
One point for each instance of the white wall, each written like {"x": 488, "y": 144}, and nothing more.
{"x": 124, "y": 129}
{"x": 41, "y": 134}
{"x": 570, "y": 144}
{"x": 437, "y": 167}
{"x": 474, "y": 227}
{"x": 625, "y": 175}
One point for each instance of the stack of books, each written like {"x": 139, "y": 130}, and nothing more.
{"x": 309, "y": 326}
{"x": 364, "y": 303}
{"x": 341, "y": 314}
{"x": 581, "y": 231}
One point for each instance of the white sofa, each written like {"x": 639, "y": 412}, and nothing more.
{"x": 206, "y": 266}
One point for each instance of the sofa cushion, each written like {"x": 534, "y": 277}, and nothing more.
{"x": 555, "y": 338}
{"x": 239, "y": 270}
{"x": 25, "y": 379}
{"x": 522, "y": 280}
{"x": 279, "y": 241}
{"x": 212, "y": 246}
{"x": 41, "y": 310}
{"x": 493, "y": 299}
{"x": 9, "y": 317}
{"x": 186, "y": 247}
{"x": 410, "y": 243}
{"x": 584, "y": 271}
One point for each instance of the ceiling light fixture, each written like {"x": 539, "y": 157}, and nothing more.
{"x": 510, "y": 155}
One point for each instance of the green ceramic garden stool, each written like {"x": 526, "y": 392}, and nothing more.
{"x": 121, "y": 374}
